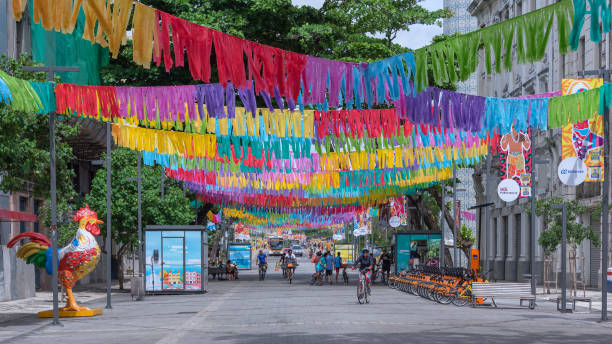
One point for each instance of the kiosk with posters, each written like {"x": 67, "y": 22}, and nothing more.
{"x": 175, "y": 259}
{"x": 416, "y": 248}
{"x": 240, "y": 254}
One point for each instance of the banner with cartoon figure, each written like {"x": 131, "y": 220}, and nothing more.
{"x": 584, "y": 140}
{"x": 515, "y": 158}
{"x": 241, "y": 232}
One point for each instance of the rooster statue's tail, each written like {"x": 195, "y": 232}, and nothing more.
{"x": 36, "y": 251}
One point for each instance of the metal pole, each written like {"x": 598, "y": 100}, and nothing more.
{"x": 140, "y": 245}
{"x": 442, "y": 236}
{"x": 604, "y": 216}
{"x": 532, "y": 234}
{"x": 563, "y": 260}
{"x": 487, "y": 233}
{"x": 454, "y": 214}
{"x": 53, "y": 216}
{"x": 108, "y": 216}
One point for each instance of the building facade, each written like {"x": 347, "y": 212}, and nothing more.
{"x": 505, "y": 228}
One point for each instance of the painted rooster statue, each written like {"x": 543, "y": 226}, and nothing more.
{"x": 75, "y": 260}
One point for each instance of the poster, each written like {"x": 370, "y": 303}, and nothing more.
{"x": 240, "y": 254}
{"x": 346, "y": 252}
{"x": 173, "y": 260}
{"x": 515, "y": 159}
{"x": 416, "y": 246}
{"x": 584, "y": 140}
{"x": 338, "y": 231}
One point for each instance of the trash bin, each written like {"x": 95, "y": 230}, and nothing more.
{"x": 137, "y": 287}
{"x": 609, "y": 280}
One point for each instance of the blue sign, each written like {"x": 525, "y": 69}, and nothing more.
{"x": 240, "y": 254}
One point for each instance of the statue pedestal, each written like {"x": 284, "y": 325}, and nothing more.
{"x": 71, "y": 314}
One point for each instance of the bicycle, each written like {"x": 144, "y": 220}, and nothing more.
{"x": 363, "y": 289}
{"x": 290, "y": 272}
{"x": 262, "y": 271}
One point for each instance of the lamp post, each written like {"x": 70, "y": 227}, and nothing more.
{"x": 532, "y": 234}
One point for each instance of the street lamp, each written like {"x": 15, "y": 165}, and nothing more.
{"x": 532, "y": 265}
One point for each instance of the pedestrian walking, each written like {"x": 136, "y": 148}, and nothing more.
{"x": 338, "y": 265}
{"x": 329, "y": 267}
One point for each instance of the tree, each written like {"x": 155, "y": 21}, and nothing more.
{"x": 24, "y": 152}
{"x": 576, "y": 232}
{"x": 174, "y": 209}
{"x": 384, "y": 17}
{"x": 343, "y": 30}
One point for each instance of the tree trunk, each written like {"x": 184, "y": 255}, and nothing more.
{"x": 119, "y": 257}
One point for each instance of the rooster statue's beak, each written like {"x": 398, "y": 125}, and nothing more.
{"x": 99, "y": 221}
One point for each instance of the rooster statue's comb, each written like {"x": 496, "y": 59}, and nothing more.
{"x": 84, "y": 213}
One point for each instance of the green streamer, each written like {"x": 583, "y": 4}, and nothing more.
{"x": 573, "y": 108}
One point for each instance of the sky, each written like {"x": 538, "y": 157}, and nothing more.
{"x": 417, "y": 37}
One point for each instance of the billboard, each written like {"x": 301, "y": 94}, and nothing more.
{"x": 240, "y": 254}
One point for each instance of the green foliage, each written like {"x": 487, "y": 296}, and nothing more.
{"x": 174, "y": 209}
{"x": 576, "y": 232}
{"x": 466, "y": 236}
{"x": 433, "y": 252}
{"x": 24, "y": 152}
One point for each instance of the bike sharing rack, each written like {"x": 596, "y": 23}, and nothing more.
{"x": 176, "y": 259}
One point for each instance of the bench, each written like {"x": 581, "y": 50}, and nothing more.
{"x": 217, "y": 272}
{"x": 521, "y": 291}
{"x": 572, "y": 300}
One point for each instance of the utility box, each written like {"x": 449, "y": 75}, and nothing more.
{"x": 176, "y": 259}
{"x": 137, "y": 287}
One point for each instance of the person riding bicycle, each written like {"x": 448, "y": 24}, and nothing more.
{"x": 365, "y": 265}
{"x": 290, "y": 260}
{"x": 261, "y": 259}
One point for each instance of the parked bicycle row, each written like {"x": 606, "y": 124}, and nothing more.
{"x": 443, "y": 285}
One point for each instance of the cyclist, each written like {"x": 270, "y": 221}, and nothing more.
{"x": 290, "y": 259}
{"x": 261, "y": 260}
{"x": 365, "y": 265}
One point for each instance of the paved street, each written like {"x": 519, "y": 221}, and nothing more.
{"x": 272, "y": 311}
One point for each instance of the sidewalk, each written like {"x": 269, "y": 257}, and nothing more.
{"x": 17, "y": 309}
{"x": 594, "y": 295}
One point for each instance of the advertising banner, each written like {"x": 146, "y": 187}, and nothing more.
{"x": 173, "y": 260}
{"x": 346, "y": 252}
{"x": 338, "y": 231}
{"x": 416, "y": 246}
{"x": 240, "y": 254}
{"x": 515, "y": 159}
{"x": 584, "y": 140}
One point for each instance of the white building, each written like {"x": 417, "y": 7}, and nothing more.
{"x": 508, "y": 229}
